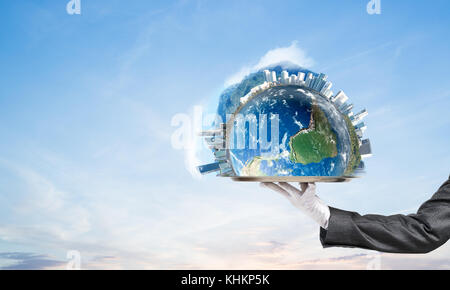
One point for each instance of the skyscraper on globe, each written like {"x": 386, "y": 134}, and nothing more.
{"x": 285, "y": 121}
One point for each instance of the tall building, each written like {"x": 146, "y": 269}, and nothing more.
{"x": 365, "y": 149}
{"x": 209, "y": 168}
{"x": 362, "y": 114}
{"x": 301, "y": 76}
{"x": 359, "y": 133}
{"x": 293, "y": 80}
{"x": 220, "y": 155}
{"x": 326, "y": 87}
{"x": 321, "y": 80}
{"x": 360, "y": 125}
{"x": 225, "y": 169}
{"x": 211, "y": 133}
{"x": 313, "y": 82}
{"x": 328, "y": 94}
{"x": 309, "y": 79}
{"x": 274, "y": 77}
{"x": 359, "y": 117}
{"x": 340, "y": 98}
{"x": 284, "y": 77}
{"x": 323, "y": 77}
{"x": 346, "y": 108}
{"x": 215, "y": 142}
{"x": 267, "y": 76}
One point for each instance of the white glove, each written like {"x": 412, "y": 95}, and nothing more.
{"x": 305, "y": 199}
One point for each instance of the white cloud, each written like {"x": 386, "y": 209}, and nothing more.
{"x": 293, "y": 54}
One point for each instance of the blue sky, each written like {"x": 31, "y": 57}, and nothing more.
{"x": 86, "y": 103}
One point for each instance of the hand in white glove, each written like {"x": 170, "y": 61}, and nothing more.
{"x": 304, "y": 199}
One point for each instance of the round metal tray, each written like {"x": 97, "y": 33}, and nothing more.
{"x": 328, "y": 179}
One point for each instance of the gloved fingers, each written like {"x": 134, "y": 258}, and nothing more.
{"x": 310, "y": 189}
{"x": 303, "y": 186}
{"x": 276, "y": 188}
{"x": 289, "y": 188}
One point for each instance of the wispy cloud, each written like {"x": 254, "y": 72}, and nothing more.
{"x": 358, "y": 55}
{"x": 29, "y": 261}
{"x": 293, "y": 54}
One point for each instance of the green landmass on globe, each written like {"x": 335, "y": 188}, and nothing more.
{"x": 355, "y": 155}
{"x": 312, "y": 144}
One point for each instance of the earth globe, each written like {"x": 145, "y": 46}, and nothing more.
{"x": 283, "y": 123}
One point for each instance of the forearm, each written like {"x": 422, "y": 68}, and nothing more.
{"x": 393, "y": 234}
{"x": 418, "y": 233}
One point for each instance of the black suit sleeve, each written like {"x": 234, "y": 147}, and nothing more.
{"x": 422, "y": 232}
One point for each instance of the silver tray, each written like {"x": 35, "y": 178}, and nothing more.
{"x": 327, "y": 179}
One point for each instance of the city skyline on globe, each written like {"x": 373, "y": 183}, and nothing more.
{"x": 311, "y": 132}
